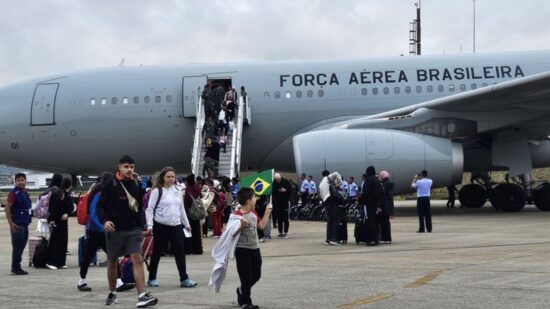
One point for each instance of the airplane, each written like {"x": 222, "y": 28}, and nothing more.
{"x": 447, "y": 114}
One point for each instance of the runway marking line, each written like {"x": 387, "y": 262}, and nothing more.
{"x": 366, "y": 301}
{"x": 425, "y": 279}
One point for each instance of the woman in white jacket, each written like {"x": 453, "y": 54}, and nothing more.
{"x": 166, "y": 219}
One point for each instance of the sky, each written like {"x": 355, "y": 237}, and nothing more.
{"x": 51, "y": 36}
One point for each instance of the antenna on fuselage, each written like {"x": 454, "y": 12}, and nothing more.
{"x": 121, "y": 64}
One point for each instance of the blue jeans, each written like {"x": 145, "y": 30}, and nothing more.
{"x": 18, "y": 242}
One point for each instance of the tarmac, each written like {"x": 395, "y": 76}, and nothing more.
{"x": 474, "y": 258}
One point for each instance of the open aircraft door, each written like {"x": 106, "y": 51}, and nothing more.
{"x": 192, "y": 87}
{"x": 43, "y": 104}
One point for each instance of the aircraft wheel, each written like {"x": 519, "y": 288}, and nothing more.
{"x": 508, "y": 198}
{"x": 542, "y": 197}
{"x": 472, "y": 196}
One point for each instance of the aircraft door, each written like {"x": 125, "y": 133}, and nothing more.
{"x": 43, "y": 104}
{"x": 192, "y": 88}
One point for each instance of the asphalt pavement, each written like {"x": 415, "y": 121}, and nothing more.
{"x": 474, "y": 258}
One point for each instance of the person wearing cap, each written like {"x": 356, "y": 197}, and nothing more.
{"x": 386, "y": 211}
{"x": 352, "y": 189}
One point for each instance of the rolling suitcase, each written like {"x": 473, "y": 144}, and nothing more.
{"x": 342, "y": 236}
{"x": 361, "y": 228}
{"x": 82, "y": 248}
{"x": 40, "y": 254}
{"x": 361, "y": 232}
{"x": 147, "y": 249}
{"x": 33, "y": 242}
{"x": 342, "y": 233}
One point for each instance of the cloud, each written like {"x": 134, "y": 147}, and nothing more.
{"x": 42, "y": 37}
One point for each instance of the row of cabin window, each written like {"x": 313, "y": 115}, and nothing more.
{"x": 374, "y": 91}
{"x": 125, "y": 100}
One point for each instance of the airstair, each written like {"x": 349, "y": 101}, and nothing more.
{"x": 230, "y": 161}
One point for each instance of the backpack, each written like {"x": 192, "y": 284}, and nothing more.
{"x": 42, "y": 209}
{"x": 196, "y": 211}
{"x": 82, "y": 213}
{"x": 40, "y": 256}
{"x": 126, "y": 270}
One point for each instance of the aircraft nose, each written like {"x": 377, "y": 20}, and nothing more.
{"x": 15, "y": 103}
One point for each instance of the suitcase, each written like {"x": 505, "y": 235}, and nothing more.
{"x": 147, "y": 249}
{"x": 361, "y": 232}
{"x": 342, "y": 236}
{"x": 82, "y": 248}
{"x": 33, "y": 242}
{"x": 147, "y": 246}
{"x": 40, "y": 254}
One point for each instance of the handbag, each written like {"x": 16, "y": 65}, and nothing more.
{"x": 132, "y": 202}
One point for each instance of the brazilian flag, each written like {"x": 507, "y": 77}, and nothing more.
{"x": 261, "y": 182}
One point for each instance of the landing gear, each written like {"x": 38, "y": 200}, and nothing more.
{"x": 472, "y": 196}
{"x": 542, "y": 197}
{"x": 508, "y": 197}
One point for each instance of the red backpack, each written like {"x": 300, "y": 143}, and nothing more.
{"x": 82, "y": 214}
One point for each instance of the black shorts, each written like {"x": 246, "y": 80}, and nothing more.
{"x": 120, "y": 243}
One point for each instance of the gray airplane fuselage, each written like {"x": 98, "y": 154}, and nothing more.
{"x": 93, "y": 119}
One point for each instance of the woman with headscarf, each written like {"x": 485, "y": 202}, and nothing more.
{"x": 331, "y": 199}
{"x": 61, "y": 205}
{"x": 372, "y": 196}
{"x": 192, "y": 245}
{"x": 386, "y": 211}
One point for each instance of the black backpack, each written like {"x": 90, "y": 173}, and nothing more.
{"x": 40, "y": 256}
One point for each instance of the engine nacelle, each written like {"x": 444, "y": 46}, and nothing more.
{"x": 403, "y": 154}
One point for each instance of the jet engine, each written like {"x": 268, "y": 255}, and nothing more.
{"x": 402, "y": 154}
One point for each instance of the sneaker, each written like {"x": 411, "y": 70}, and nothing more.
{"x": 239, "y": 296}
{"x": 285, "y": 236}
{"x": 125, "y": 287}
{"x": 111, "y": 299}
{"x": 51, "y": 267}
{"x": 153, "y": 283}
{"x": 280, "y": 236}
{"x": 250, "y": 306}
{"x": 333, "y": 243}
{"x": 19, "y": 272}
{"x": 261, "y": 240}
{"x": 64, "y": 267}
{"x": 188, "y": 283}
{"x": 327, "y": 242}
{"x": 146, "y": 300}
{"x": 84, "y": 288}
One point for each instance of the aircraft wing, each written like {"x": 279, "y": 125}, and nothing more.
{"x": 492, "y": 107}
